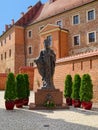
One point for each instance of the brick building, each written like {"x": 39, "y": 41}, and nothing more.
{"x": 72, "y": 28}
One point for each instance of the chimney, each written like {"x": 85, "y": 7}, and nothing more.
{"x": 29, "y": 7}
{"x": 6, "y": 27}
{"x": 22, "y": 14}
{"x": 12, "y": 21}
{"x": 9, "y": 26}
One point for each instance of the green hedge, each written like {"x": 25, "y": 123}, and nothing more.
{"x": 86, "y": 88}
{"x": 76, "y": 87}
{"x": 10, "y": 90}
{"x": 68, "y": 86}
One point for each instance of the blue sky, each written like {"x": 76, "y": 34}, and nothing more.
{"x": 11, "y": 9}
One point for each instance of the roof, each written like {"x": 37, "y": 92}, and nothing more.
{"x": 51, "y": 27}
{"x": 51, "y": 9}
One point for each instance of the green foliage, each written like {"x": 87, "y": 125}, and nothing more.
{"x": 49, "y": 104}
{"x": 76, "y": 87}
{"x": 26, "y": 84}
{"x": 10, "y": 90}
{"x": 86, "y": 88}
{"x": 20, "y": 86}
{"x": 68, "y": 86}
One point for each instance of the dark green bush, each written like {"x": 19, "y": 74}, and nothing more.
{"x": 86, "y": 88}
{"x": 20, "y": 86}
{"x": 68, "y": 86}
{"x": 10, "y": 90}
{"x": 26, "y": 84}
{"x": 76, "y": 87}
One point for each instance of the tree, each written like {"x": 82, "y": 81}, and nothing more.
{"x": 10, "y": 90}
{"x": 86, "y": 88}
{"x": 76, "y": 87}
{"x": 68, "y": 86}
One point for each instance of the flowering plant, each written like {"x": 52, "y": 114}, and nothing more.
{"x": 49, "y": 104}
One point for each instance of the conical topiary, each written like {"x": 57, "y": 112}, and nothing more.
{"x": 26, "y": 84}
{"x": 20, "y": 87}
{"x": 68, "y": 89}
{"x": 10, "y": 90}
{"x": 68, "y": 86}
{"x": 86, "y": 88}
{"x": 76, "y": 87}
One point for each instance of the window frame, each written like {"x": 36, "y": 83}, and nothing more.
{"x": 41, "y": 27}
{"x": 28, "y": 33}
{"x": 88, "y": 37}
{"x": 61, "y": 23}
{"x": 29, "y": 50}
{"x": 78, "y": 19}
{"x": 87, "y": 15}
{"x": 73, "y": 39}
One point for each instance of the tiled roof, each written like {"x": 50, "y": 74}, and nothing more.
{"x": 50, "y": 9}
{"x": 79, "y": 56}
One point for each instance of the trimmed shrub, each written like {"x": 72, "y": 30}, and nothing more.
{"x": 68, "y": 86}
{"x": 20, "y": 86}
{"x": 10, "y": 90}
{"x": 26, "y": 84}
{"x": 76, "y": 87}
{"x": 86, "y": 88}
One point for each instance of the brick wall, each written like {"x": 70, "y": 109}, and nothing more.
{"x": 26, "y": 70}
{"x": 30, "y": 72}
{"x": 3, "y": 77}
{"x": 84, "y": 63}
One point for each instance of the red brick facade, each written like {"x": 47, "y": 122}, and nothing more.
{"x": 79, "y": 64}
{"x": 22, "y": 41}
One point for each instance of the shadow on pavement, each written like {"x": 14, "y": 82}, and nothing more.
{"x": 24, "y": 119}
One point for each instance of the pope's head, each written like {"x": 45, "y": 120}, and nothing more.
{"x": 47, "y": 43}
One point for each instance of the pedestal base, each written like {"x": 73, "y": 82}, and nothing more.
{"x": 42, "y": 94}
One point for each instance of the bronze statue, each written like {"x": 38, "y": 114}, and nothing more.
{"x": 46, "y": 65}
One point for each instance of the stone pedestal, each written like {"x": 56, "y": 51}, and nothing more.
{"x": 42, "y": 94}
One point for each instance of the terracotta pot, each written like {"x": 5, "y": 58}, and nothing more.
{"x": 76, "y": 103}
{"x": 25, "y": 101}
{"x": 19, "y": 103}
{"x": 9, "y": 105}
{"x": 68, "y": 101}
{"x": 86, "y": 105}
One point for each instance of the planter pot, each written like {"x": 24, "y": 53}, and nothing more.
{"x": 19, "y": 103}
{"x": 86, "y": 105}
{"x": 9, "y": 105}
{"x": 68, "y": 101}
{"x": 76, "y": 103}
{"x": 25, "y": 101}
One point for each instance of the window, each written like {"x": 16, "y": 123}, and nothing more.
{"x": 76, "y": 19}
{"x": 29, "y": 33}
{"x": 1, "y": 56}
{"x": 59, "y": 23}
{"x": 50, "y": 39}
{"x": 5, "y": 40}
{"x": 30, "y": 50}
{"x": 1, "y": 43}
{"x": 10, "y": 53}
{"x": 5, "y": 55}
{"x": 90, "y": 15}
{"x": 9, "y": 37}
{"x": 31, "y": 64}
{"x": 91, "y": 37}
{"x": 41, "y": 27}
{"x": 76, "y": 40}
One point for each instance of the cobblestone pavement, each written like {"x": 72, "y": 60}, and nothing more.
{"x": 68, "y": 119}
